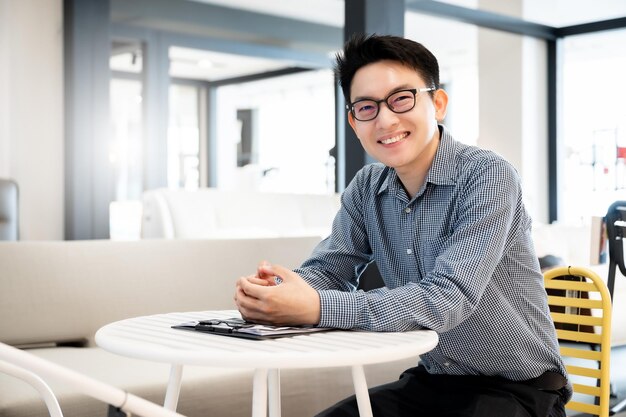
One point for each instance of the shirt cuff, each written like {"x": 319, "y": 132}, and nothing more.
{"x": 338, "y": 309}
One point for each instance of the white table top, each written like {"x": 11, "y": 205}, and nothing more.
{"x": 151, "y": 338}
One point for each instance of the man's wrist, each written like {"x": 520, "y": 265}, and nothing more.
{"x": 316, "y": 313}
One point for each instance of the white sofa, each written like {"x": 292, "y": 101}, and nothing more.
{"x": 214, "y": 213}
{"x": 56, "y": 295}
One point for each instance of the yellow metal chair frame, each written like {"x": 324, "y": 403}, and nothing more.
{"x": 583, "y": 291}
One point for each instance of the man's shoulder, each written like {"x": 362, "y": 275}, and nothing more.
{"x": 374, "y": 170}
{"x": 372, "y": 175}
{"x": 467, "y": 157}
{"x": 369, "y": 180}
{"x": 471, "y": 154}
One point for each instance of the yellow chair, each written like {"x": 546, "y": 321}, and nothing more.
{"x": 580, "y": 306}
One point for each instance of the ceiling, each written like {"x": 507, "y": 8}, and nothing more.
{"x": 328, "y": 12}
{"x": 556, "y": 13}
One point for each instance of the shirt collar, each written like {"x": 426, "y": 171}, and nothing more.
{"x": 441, "y": 172}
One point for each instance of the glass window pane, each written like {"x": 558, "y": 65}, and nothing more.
{"x": 293, "y": 130}
{"x": 126, "y": 56}
{"x": 183, "y": 137}
{"x": 593, "y": 172}
{"x": 126, "y": 124}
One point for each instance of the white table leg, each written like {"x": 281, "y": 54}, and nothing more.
{"x": 173, "y": 387}
{"x": 274, "y": 392}
{"x": 259, "y": 393}
{"x": 360, "y": 389}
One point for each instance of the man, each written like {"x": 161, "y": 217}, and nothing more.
{"x": 447, "y": 228}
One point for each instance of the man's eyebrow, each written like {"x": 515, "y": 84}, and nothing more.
{"x": 393, "y": 90}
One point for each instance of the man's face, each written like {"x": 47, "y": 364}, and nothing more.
{"x": 404, "y": 141}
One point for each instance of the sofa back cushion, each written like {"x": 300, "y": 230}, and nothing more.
{"x": 211, "y": 213}
{"x": 64, "y": 291}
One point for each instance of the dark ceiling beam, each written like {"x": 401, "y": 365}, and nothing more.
{"x": 482, "y": 18}
{"x": 258, "y": 76}
{"x": 296, "y": 57}
{"x": 610, "y": 24}
{"x": 196, "y": 17}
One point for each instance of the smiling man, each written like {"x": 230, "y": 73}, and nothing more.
{"x": 446, "y": 225}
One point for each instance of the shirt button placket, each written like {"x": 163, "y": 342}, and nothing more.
{"x": 408, "y": 210}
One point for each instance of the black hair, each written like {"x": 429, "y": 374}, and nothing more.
{"x": 361, "y": 50}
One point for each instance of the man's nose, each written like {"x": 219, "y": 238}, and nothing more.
{"x": 386, "y": 117}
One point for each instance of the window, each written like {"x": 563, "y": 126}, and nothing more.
{"x": 247, "y": 147}
{"x": 290, "y": 144}
{"x": 183, "y": 137}
{"x": 125, "y": 90}
{"x": 593, "y": 139}
{"x": 126, "y": 152}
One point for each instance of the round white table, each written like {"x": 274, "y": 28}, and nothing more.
{"x": 152, "y": 338}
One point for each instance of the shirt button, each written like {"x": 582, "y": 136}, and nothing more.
{"x": 409, "y": 251}
{"x": 407, "y": 210}
{"x": 446, "y": 363}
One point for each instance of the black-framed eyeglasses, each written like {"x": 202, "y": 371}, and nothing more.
{"x": 400, "y": 101}
{"x": 232, "y": 323}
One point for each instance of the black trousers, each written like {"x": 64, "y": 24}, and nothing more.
{"x": 420, "y": 394}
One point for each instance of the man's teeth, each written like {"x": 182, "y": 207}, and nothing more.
{"x": 393, "y": 139}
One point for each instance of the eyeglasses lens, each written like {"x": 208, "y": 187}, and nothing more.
{"x": 399, "y": 102}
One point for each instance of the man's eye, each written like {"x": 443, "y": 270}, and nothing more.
{"x": 365, "y": 108}
{"x": 401, "y": 98}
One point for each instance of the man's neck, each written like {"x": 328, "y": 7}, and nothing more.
{"x": 413, "y": 178}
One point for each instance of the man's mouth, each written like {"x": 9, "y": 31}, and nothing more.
{"x": 394, "y": 139}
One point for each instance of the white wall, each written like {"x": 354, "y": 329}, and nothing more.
{"x": 458, "y": 68}
{"x": 31, "y": 112}
{"x": 513, "y": 104}
{"x": 534, "y": 137}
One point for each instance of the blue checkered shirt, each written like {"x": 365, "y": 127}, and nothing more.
{"x": 457, "y": 258}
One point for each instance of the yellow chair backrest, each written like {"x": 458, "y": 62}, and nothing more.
{"x": 580, "y": 306}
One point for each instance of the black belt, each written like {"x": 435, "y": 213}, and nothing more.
{"x": 547, "y": 381}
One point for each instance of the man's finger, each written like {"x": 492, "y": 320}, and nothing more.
{"x": 253, "y": 290}
{"x": 264, "y": 270}
{"x": 260, "y": 281}
{"x": 281, "y": 272}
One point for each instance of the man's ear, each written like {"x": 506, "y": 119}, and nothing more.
{"x": 352, "y": 121}
{"x": 440, "y": 100}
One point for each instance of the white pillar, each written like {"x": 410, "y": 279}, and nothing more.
{"x": 31, "y": 112}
